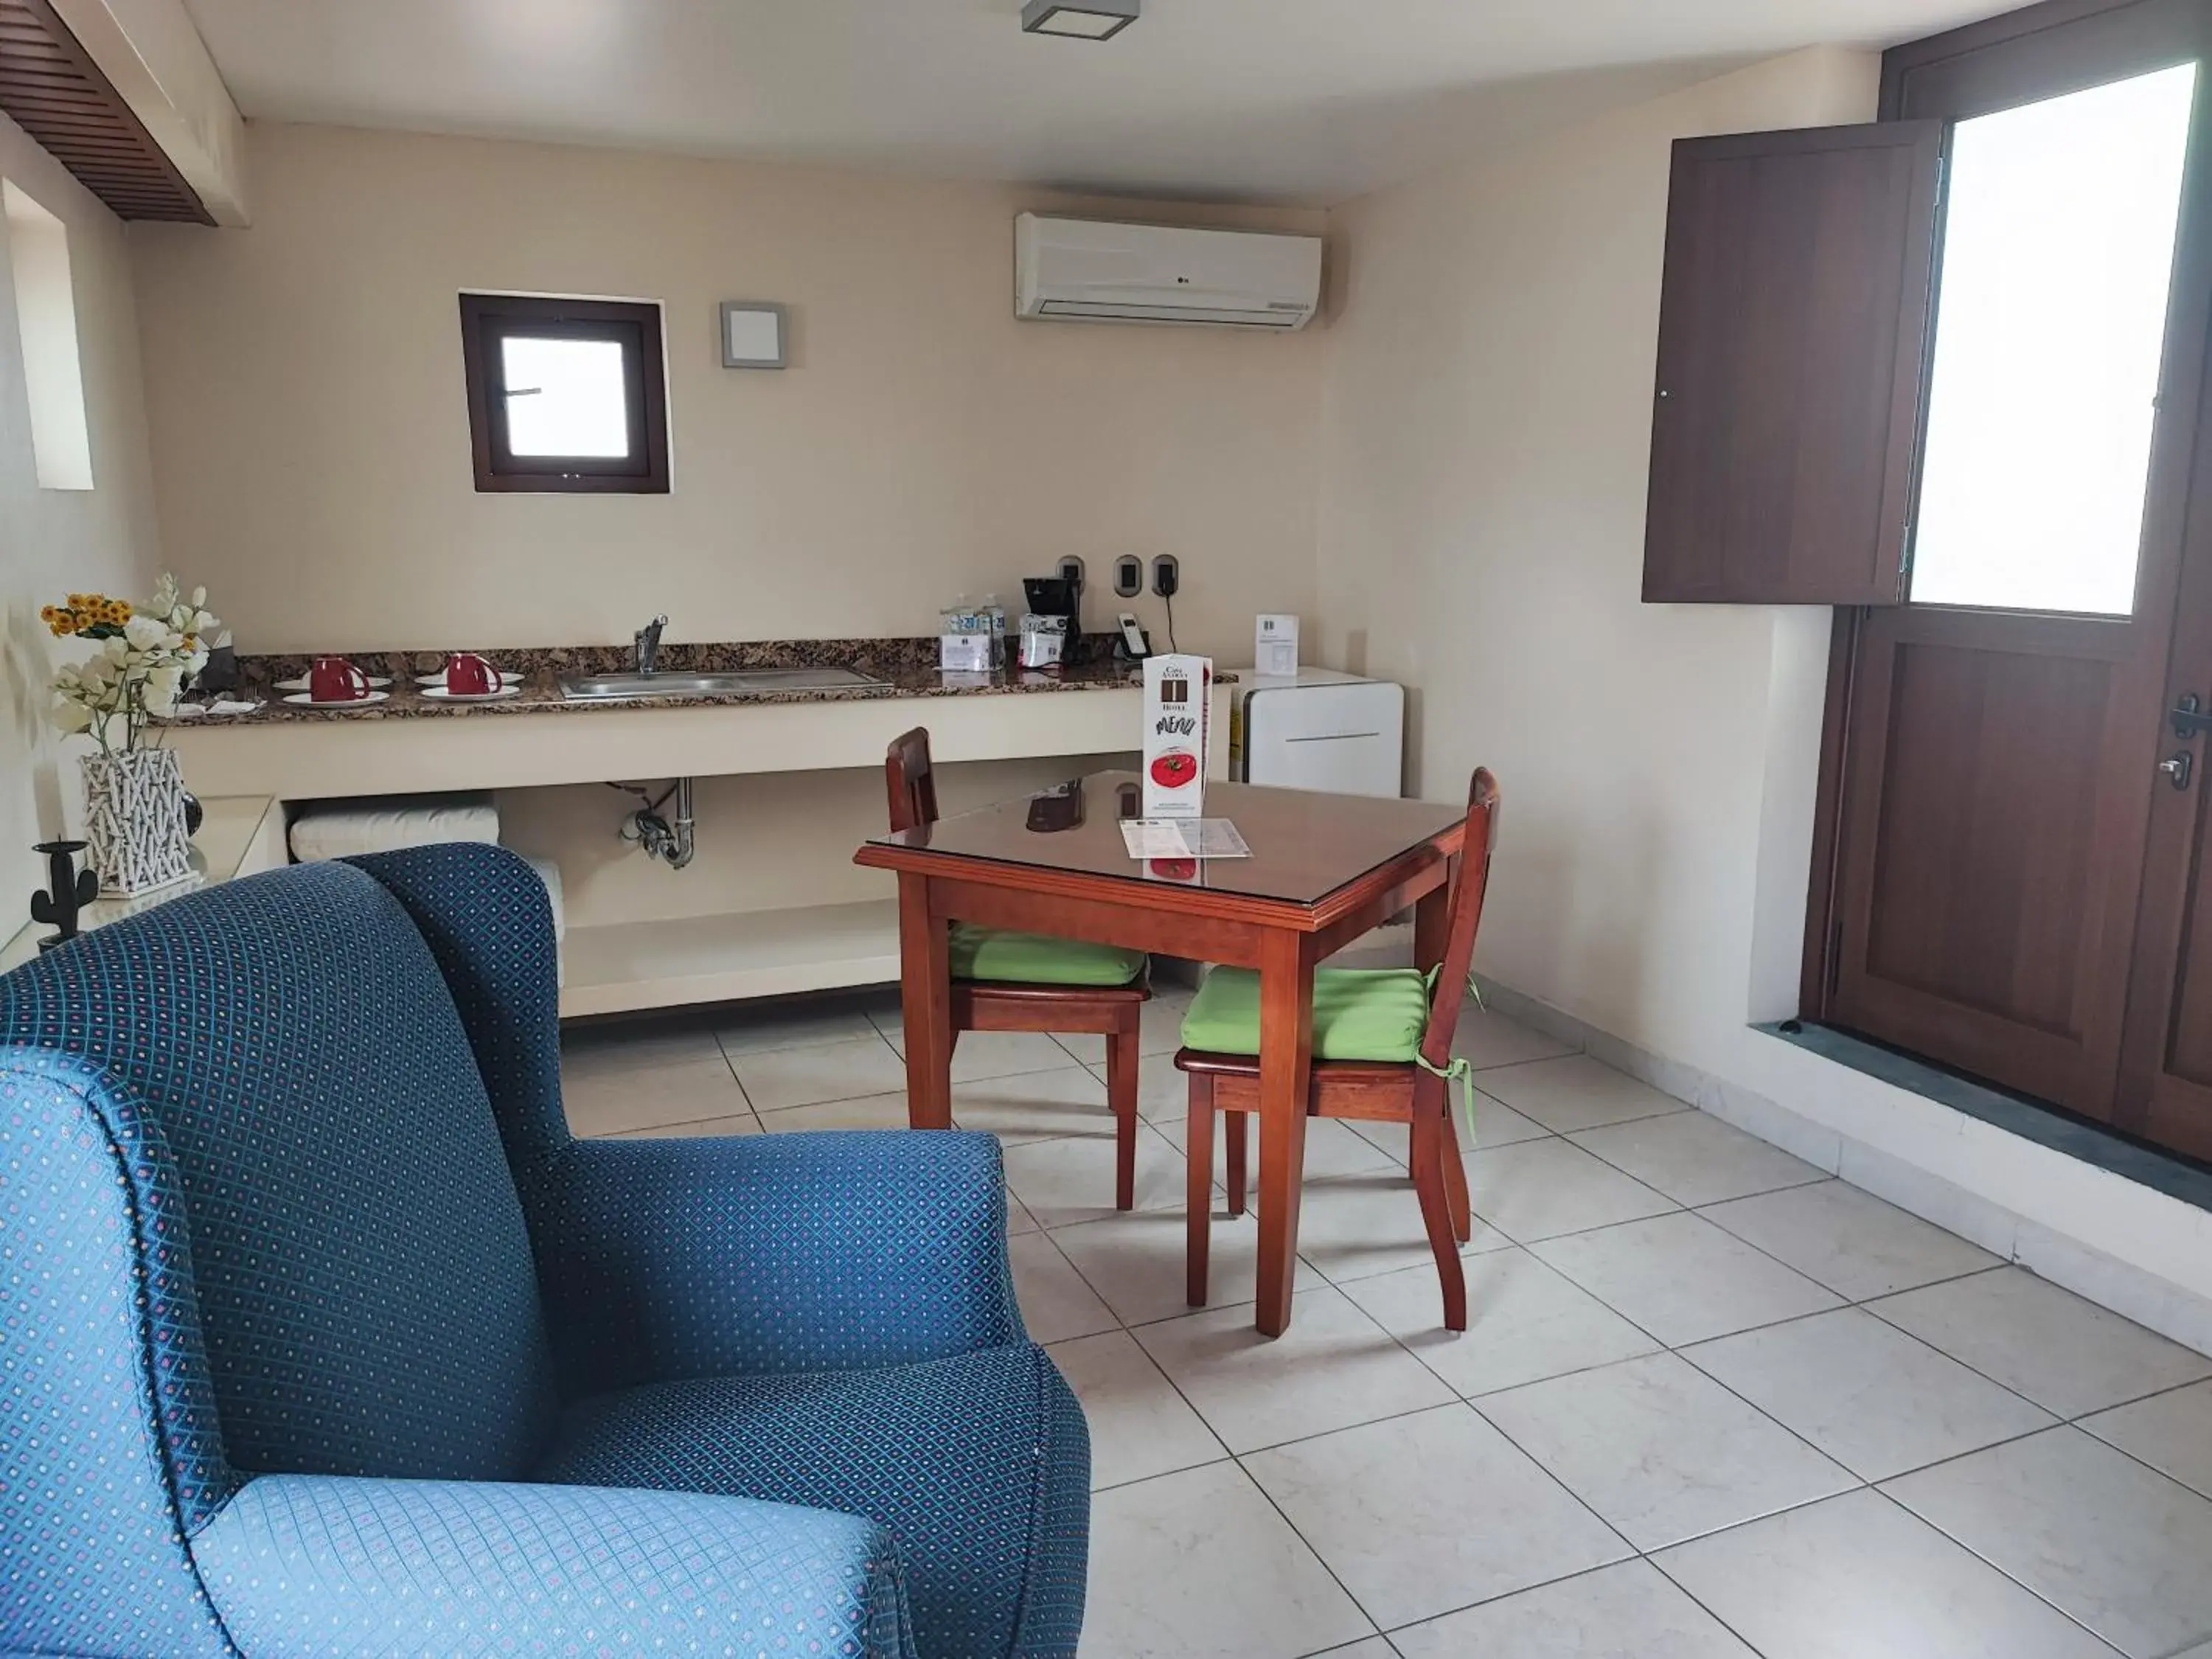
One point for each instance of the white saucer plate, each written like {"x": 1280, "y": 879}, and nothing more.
{"x": 376, "y": 682}
{"x": 193, "y": 711}
{"x": 439, "y": 678}
{"x": 307, "y": 700}
{"x": 439, "y": 694}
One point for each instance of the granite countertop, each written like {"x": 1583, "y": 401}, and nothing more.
{"x": 909, "y": 666}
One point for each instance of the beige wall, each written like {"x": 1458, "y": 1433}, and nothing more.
{"x": 1487, "y": 435}
{"x": 1486, "y": 438}
{"x": 311, "y": 434}
{"x": 59, "y": 541}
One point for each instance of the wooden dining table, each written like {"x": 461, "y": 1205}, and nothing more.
{"x": 1324, "y": 869}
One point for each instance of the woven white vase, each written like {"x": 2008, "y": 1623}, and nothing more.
{"x": 134, "y": 818}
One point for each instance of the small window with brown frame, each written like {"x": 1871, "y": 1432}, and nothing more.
{"x": 565, "y": 395}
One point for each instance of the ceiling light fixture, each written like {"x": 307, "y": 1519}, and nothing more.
{"x": 1080, "y": 20}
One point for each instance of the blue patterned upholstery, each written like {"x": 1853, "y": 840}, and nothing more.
{"x": 302, "y": 1261}
{"x": 472, "y": 1568}
{"x": 366, "y": 1291}
{"x": 997, "y": 1431}
{"x": 102, "y": 1454}
{"x": 741, "y": 1265}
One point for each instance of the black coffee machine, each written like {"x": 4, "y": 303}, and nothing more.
{"x": 1058, "y": 596}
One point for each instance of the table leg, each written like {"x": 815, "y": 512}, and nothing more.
{"x": 1286, "y": 971}
{"x": 925, "y": 1000}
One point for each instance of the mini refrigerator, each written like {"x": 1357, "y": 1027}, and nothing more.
{"x": 1318, "y": 729}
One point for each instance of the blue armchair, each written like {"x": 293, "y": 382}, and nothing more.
{"x": 320, "y": 1334}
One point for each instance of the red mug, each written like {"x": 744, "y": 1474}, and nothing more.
{"x": 468, "y": 675}
{"x": 333, "y": 679}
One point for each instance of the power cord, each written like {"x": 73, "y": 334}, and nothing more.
{"x": 1168, "y": 600}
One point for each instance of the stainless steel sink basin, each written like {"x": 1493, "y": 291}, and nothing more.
{"x": 610, "y": 688}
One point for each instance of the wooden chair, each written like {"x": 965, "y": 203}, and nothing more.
{"x": 1410, "y": 1090}
{"x": 984, "y": 1001}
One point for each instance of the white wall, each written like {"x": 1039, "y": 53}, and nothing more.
{"x": 1485, "y": 438}
{"x": 310, "y": 433}
{"x": 54, "y": 542}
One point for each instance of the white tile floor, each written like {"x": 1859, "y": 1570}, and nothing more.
{"x": 1712, "y": 1404}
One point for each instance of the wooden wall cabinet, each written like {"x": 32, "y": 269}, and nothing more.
{"x": 1793, "y": 330}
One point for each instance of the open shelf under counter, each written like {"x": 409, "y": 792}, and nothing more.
{"x": 622, "y": 967}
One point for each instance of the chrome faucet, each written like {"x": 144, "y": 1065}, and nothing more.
{"x": 648, "y": 646}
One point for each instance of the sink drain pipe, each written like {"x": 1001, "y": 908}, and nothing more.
{"x": 668, "y": 840}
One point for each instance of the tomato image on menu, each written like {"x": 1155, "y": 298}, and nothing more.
{"x": 1174, "y": 770}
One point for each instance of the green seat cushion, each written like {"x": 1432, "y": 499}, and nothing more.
{"x": 992, "y": 953}
{"x": 1375, "y": 1014}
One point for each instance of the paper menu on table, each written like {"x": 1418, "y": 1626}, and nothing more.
{"x": 1275, "y": 646}
{"x": 1183, "y": 838}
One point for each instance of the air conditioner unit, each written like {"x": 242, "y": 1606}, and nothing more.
{"x": 1079, "y": 270}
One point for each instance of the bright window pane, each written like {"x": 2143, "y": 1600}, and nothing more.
{"x": 566, "y": 398}
{"x": 2056, "y": 260}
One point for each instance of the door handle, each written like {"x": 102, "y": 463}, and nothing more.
{"x": 2190, "y": 717}
{"x": 2178, "y": 770}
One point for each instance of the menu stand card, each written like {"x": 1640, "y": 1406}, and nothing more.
{"x": 1176, "y": 703}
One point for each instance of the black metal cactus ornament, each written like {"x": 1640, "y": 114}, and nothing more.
{"x": 69, "y": 890}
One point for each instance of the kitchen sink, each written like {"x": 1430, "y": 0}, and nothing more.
{"x": 610, "y": 688}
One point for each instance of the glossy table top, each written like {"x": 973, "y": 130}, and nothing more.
{"x": 1305, "y": 845}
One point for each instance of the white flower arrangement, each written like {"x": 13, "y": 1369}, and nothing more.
{"x": 143, "y": 660}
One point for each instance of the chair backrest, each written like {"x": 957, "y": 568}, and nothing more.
{"x": 912, "y": 786}
{"x": 1468, "y": 885}
{"x": 363, "y": 1280}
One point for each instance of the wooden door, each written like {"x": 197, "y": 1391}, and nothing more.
{"x": 2165, "y": 1074}
{"x": 1997, "y": 793}
{"x": 1994, "y": 770}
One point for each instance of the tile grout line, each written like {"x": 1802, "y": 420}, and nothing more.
{"x": 1122, "y": 1327}
{"x": 2057, "y": 1421}
{"x": 1045, "y": 1233}
{"x": 1458, "y": 1401}
{"x": 1859, "y": 1484}
{"x": 1869, "y": 1307}
{"x": 1529, "y": 1247}
{"x": 1993, "y": 1566}
{"x": 1236, "y": 1460}
{"x": 1374, "y": 1625}
{"x": 2079, "y": 1423}
{"x": 1227, "y": 1456}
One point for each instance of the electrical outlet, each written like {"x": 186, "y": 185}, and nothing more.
{"x": 1129, "y": 575}
{"x": 1167, "y": 576}
{"x": 1070, "y": 570}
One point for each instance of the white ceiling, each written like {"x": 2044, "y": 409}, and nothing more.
{"x": 1310, "y": 101}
